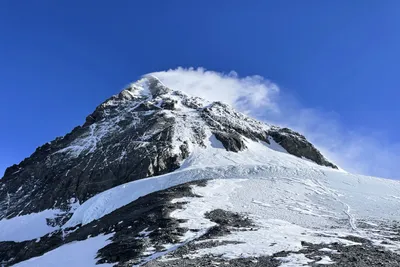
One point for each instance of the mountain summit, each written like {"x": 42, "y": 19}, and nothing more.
{"x": 156, "y": 177}
{"x": 145, "y": 130}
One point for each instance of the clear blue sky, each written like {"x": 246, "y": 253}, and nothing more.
{"x": 60, "y": 59}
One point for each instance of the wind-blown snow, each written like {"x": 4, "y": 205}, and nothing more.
{"x": 246, "y": 93}
{"x": 75, "y": 254}
{"x": 27, "y": 227}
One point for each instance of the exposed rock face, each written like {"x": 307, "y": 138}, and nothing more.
{"x": 231, "y": 141}
{"x": 296, "y": 144}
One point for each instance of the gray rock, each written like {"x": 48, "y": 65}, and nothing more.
{"x": 296, "y": 144}
{"x": 231, "y": 141}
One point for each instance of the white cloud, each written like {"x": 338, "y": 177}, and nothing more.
{"x": 367, "y": 152}
{"x": 246, "y": 94}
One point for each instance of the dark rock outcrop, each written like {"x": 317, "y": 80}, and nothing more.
{"x": 231, "y": 141}
{"x": 296, "y": 144}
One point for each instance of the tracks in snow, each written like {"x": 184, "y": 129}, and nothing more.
{"x": 347, "y": 209}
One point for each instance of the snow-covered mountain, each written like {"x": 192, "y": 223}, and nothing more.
{"x": 155, "y": 177}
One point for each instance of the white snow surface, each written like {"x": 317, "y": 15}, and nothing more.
{"x": 301, "y": 186}
{"x": 204, "y": 163}
{"x": 75, "y": 254}
{"x": 277, "y": 229}
{"x": 289, "y": 199}
{"x": 27, "y": 227}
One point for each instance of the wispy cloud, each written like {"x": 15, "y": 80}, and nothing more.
{"x": 365, "y": 151}
{"x": 357, "y": 150}
{"x": 246, "y": 94}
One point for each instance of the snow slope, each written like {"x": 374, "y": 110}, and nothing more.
{"x": 290, "y": 200}
{"x": 27, "y": 227}
{"x": 259, "y": 160}
{"x": 299, "y": 191}
{"x": 76, "y": 254}
{"x": 285, "y": 212}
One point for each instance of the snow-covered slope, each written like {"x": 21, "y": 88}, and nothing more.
{"x": 269, "y": 199}
{"x": 289, "y": 200}
{"x": 268, "y": 183}
{"x": 76, "y": 254}
{"x": 211, "y": 162}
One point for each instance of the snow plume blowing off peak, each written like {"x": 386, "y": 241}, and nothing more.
{"x": 354, "y": 151}
{"x": 248, "y": 94}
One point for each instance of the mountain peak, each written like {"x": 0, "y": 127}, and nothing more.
{"x": 91, "y": 183}
{"x": 155, "y": 86}
{"x": 147, "y": 129}
{"x": 147, "y": 87}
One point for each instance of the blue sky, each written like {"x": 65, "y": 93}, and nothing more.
{"x": 336, "y": 64}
